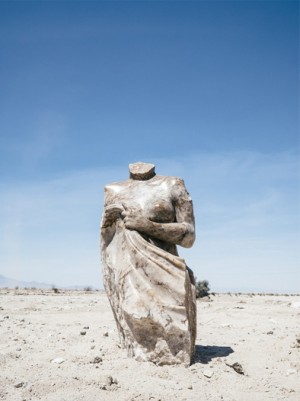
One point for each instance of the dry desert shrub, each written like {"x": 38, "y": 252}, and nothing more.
{"x": 55, "y": 289}
{"x": 202, "y": 289}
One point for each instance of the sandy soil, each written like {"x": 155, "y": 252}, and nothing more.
{"x": 38, "y": 327}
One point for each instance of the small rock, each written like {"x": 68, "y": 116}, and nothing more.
{"x": 208, "y": 373}
{"x": 270, "y": 332}
{"x": 237, "y": 367}
{"x": 58, "y": 360}
{"x": 19, "y": 385}
{"x": 205, "y": 299}
{"x": 19, "y": 349}
{"x": 86, "y": 327}
{"x": 105, "y": 334}
{"x": 93, "y": 346}
{"x": 83, "y": 333}
{"x": 290, "y": 372}
{"x": 97, "y": 359}
{"x": 190, "y": 387}
{"x": 109, "y": 380}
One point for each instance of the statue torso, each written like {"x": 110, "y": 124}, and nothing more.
{"x": 154, "y": 197}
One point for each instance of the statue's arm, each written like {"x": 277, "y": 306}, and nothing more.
{"x": 110, "y": 214}
{"x": 111, "y": 210}
{"x": 181, "y": 232}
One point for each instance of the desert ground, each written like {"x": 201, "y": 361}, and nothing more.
{"x": 65, "y": 347}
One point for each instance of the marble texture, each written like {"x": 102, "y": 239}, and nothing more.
{"x": 150, "y": 288}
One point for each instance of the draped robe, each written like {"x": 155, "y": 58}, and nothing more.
{"x": 150, "y": 288}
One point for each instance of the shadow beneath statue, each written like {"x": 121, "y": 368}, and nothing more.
{"x": 205, "y": 354}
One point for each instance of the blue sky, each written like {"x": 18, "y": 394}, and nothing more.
{"x": 206, "y": 90}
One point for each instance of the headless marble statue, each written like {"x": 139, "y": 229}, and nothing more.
{"x": 150, "y": 288}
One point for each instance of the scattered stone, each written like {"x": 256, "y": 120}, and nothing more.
{"x": 105, "y": 334}
{"x": 83, "y": 333}
{"x": 6, "y": 317}
{"x": 270, "y": 332}
{"x": 19, "y": 349}
{"x": 236, "y": 367}
{"x": 93, "y": 346}
{"x": 19, "y": 385}
{"x": 205, "y": 299}
{"x": 190, "y": 387}
{"x": 86, "y": 327}
{"x": 208, "y": 373}
{"x": 97, "y": 359}
{"x": 108, "y": 382}
{"x": 225, "y": 325}
{"x": 290, "y": 372}
{"x": 58, "y": 360}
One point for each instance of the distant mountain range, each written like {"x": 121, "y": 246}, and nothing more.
{"x": 6, "y": 282}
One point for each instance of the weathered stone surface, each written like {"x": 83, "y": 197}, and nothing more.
{"x": 150, "y": 288}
